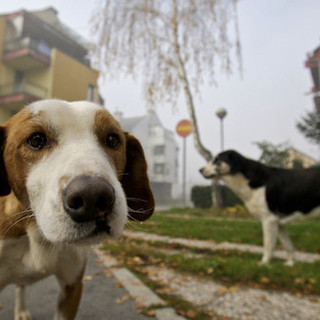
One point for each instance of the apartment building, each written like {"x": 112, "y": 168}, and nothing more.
{"x": 40, "y": 57}
{"x": 161, "y": 151}
{"x": 297, "y": 159}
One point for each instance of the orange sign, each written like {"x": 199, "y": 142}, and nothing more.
{"x": 184, "y": 128}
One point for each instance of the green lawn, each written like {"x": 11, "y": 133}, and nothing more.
{"x": 208, "y": 225}
{"x": 227, "y": 266}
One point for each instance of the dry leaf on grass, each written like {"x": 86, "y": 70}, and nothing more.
{"x": 265, "y": 280}
{"x": 151, "y": 313}
{"x": 165, "y": 290}
{"x": 191, "y": 314}
{"x": 210, "y": 271}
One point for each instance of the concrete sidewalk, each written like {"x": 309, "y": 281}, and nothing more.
{"x": 102, "y": 298}
{"x": 213, "y": 246}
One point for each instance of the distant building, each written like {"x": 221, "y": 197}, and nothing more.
{"x": 160, "y": 148}
{"x": 297, "y": 158}
{"x": 40, "y": 57}
{"x": 313, "y": 63}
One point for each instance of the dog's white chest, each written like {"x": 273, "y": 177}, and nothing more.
{"x": 17, "y": 264}
{"x": 257, "y": 204}
{"x": 26, "y": 260}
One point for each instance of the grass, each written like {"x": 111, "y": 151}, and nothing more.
{"x": 228, "y": 267}
{"x": 219, "y": 226}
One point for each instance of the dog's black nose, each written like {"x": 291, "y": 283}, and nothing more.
{"x": 88, "y": 198}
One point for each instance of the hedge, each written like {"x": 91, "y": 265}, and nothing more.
{"x": 201, "y": 196}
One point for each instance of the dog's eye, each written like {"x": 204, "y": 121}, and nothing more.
{"x": 113, "y": 141}
{"x": 37, "y": 141}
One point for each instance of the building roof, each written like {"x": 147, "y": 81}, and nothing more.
{"x": 129, "y": 124}
{"x": 45, "y": 25}
{"x": 50, "y": 16}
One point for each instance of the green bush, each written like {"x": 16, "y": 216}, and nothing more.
{"x": 229, "y": 198}
{"x": 201, "y": 196}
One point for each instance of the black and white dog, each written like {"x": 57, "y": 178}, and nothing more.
{"x": 273, "y": 195}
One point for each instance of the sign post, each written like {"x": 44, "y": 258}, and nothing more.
{"x": 184, "y": 129}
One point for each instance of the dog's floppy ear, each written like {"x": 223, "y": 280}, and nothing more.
{"x": 135, "y": 182}
{"x": 4, "y": 183}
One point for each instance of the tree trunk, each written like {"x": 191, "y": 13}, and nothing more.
{"x": 206, "y": 154}
{"x": 184, "y": 79}
{"x": 216, "y": 194}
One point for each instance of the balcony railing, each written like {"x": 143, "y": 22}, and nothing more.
{"x": 23, "y": 88}
{"x": 27, "y": 42}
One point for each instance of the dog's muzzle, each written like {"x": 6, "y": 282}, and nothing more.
{"x": 207, "y": 175}
{"x": 88, "y": 199}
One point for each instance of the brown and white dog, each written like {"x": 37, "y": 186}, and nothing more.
{"x": 69, "y": 178}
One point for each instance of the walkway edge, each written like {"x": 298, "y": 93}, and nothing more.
{"x": 213, "y": 246}
{"x": 143, "y": 295}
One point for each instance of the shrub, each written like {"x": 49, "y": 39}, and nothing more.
{"x": 201, "y": 196}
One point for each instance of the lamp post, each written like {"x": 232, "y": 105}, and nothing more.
{"x": 221, "y": 114}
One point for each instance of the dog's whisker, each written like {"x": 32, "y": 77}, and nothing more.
{"x": 141, "y": 211}
{"x": 18, "y": 221}
{"x": 14, "y": 217}
{"x": 136, "y": 199}
{"x": 133, "y": 218}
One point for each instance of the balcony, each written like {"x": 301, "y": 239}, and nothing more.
{"x": 16, "y": 95}
{"x": 26, "y": 54}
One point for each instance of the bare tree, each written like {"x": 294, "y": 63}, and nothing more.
{"x": 173, "y": 44}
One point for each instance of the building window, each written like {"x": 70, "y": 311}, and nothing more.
{"x": 90, "y": 96}
{"x": 159, "y": 150}
{"x": 158, "y": 168}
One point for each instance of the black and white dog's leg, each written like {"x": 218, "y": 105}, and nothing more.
{"x": 270, "y": 232}
{"x": 287, "y": 244}
{"x": 20, "y": 311}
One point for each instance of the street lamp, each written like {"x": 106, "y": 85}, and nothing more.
{"x": 221, "y": 113}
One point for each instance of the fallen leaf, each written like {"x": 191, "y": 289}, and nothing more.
{"x": 140, "y": 306}
{"x": 265, "y": 280}
{"x": 151, "y": 313}
{"x": 221, "y": 292}
{"x": 1, "y": 306}
{"x": 182, "y": 312}
{"x": 262, "y": 298}
{"x": 123, "y": 299}
{"x": 87, "y": 278}
{"x": 191, "y": 314}
{"x": 138, "y": 260}
{"x": 210, "y": 271}
{"x": 165, "y": 290}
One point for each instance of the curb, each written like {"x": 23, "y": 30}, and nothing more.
{"x": 305, "y": 257}
{"x": 143, "y": 295}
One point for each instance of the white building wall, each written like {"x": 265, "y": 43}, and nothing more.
{"x": 162, "y": 164}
